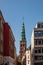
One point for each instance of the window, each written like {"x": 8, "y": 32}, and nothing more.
{"x": 35, "y": 33}
{"x": 42, "y": 41}
{"x": 21, "y": 45}
{"x": 39, "y": 33}
{"x": 39, "y": 50}
{"x": 28, "y": 57}
{"x": 35, "y": 51}
{"x": 39, "y": 42}
{"x": 35, "y": 57}
{"x": 28, "y": 61}
{"x": 35, "y": 42}
{"x": 38, "y": 25}
{"x": 21, "y": 51}
{"x": 42, "y": 57}
{"x": 42, "y": 50}
{"x": 28, "y": 51}
{"x": 41, "y": 25}
{"x": 39, "y": 57}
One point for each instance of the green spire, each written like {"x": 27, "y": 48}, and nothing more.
{"x": 23, "y": 32}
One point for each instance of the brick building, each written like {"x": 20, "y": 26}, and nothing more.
{"x": 7, "y": 43}
{"x": 1, "y": 38}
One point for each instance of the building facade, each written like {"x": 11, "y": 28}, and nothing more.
{"x": 28, "y": 56}
{"x": 7, "y": 43}
{"x": 37, "y": 45}
{"x": 1, "y": 38}
{"x": 26, "y": 59}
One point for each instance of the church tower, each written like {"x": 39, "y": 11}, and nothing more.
{"x": 22, "y": 41}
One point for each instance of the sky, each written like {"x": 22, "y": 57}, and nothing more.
{"x": 13, "y": 12}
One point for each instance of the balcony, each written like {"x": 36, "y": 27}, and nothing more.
{"x": 35, "y": 61}
{"x": 38, "y": 29}
{"x": 38, "y": 37}
{"x": 38, "y": 54}
{"x": 38, "y": 46}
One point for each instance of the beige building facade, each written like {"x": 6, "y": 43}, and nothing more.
{"x": 28, "y": 57}
{"x": 37, "y": 45}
